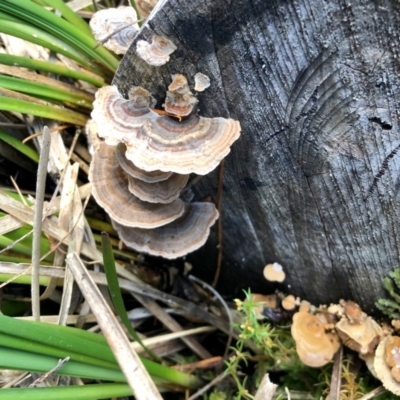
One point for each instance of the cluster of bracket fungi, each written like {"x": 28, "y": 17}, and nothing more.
{"x": 139, "y": 170}
{"x": 319, "y": 332}
{"x": 145, "y": 159}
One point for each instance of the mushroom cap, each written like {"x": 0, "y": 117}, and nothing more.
{"x": 145, "y": 7}
{"x": 353, "y": 311}
{"x": 194, "y": 145}
{"x": 158, "y": 192}
{"x": 362, "y": 337}
{"x": 201, "y": 81}
{"x": 110, "y": 189}
{"x": 180, "y": 237}
{"x": 289, "y": 302}
{"x": 157, "y": 52}
{"x": 179, "y": 84}
{"x": 382, "y": 369}
{"x": 108, "y": 22}
{"x": 116, "y": 117}
{"x": 180, "y": 104}
{"x": 314, "y": 346}
{"x": 131, "y": 169}
{"x": 274, "y": 272}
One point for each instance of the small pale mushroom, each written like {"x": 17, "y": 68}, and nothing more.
{"x": 117, "y": 117}
{"x": 388, "y": 374}
{"x": 158, "y": 192}
{"x": 117, "y": 26}
{"x": 289, "y": 302}
{"x": 314, "y": 346}
{"x": 274, "y": 272}
{"x": 157, "y": 52}
{"x": 361, "y": 333}
{"x": 131, "y": 169}
{"x": 201, "y": 81}
{"x": 145, "y": 7}
{"x": 180, "y": 237}
{"x": 110, "y": 190}
{"x": 180, "y": 105}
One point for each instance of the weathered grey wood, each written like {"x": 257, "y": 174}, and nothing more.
{"x": 313, "y": 183}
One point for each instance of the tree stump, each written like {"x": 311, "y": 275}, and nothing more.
{"x": 313, "y": 182}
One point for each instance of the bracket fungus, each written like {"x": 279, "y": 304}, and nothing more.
{"x": 315, "y": 347}
{"x": 110, "y": 189}
{"x": 201, "y": 81}
{"x": 274, "y": 272}
{"x": 117, "y": 117}
{"x": 131, "y": 169}
{"x": 158, "y": 192}
{"x": 182, "y": 236}
{"x": 387, "y": 363}
{"x": 117, "y": 25}
{"x": 145, "y": 7}
{"x": 157, "y": 52}
{"x": 358, "y": 331}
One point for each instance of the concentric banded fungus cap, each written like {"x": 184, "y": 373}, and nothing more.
{"x": 110, "y": 22}
{"x": 314, "y": 346}
{"x": 383, "y": 370}
{"x": 110, "y": 189}
{"x": 116, "y": 117}
{"x": 157, "y": 52}
{"x": 274, "y": 273}
{"x": 184, "y": 235}
{"x": 131, "y": 169}
{"x": 362, "y": 338}
{"x": 194, "y": 145}
{"x": 201, "y": 81}
{"x": 158, "y": 192}
{"x": 180, "y": 100}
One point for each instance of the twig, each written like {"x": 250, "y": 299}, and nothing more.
{"x": 219, "y": 223}
{"x": 137, "y": 377}
{"x": 374, "y": 393}
{"x": 48, "y": 373}
{"x": 208, "y": 386}
{"x": 37, "y": 221}
{"x": 336, "y": 378}
{"x": 206, "y": 286}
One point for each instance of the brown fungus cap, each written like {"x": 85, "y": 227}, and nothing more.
{"x": 179, "y": 101}
{"x": 108, "y": 24}
{"x": 145, "y": 7}
{"x": 202, "y": 82}
{"x": 289, "y": 302}
{"x": 158, "y": 192}
{"x": 157, "y": 52}
{"x": 274, "y": 273}
{"x": 384, "y": 372}
{"x": 117, "y": 117}
{"x": 194, "y": 145}
{"x": 110, "y": 189}
{"x": 180, "y": 237}
{"x": 314, "y": 346}
{"x": 131, "y": 169}
{"x": 362, "y": 337}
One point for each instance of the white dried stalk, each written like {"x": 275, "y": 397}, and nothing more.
{"x": 137, "y": 377}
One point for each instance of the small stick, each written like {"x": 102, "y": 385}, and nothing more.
{"x": 48, "y": 373}
{"x": 336, "y": 378}
{"x": 37, "y": 221}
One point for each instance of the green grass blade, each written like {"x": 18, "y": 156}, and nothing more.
{"x": 49, "y": 92}
{"x": 21, "y": 147}
{"x": 86, "y": 392}
{"x": 37, "y": 65}
{"x": 27, "y": 361}
{"x": 51, "y": 42}
{"x": 48, "y": 21}
{"x": 39, "y": 110}
{"x": 69, "y": 15}
{"x": 115, "y": 291}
